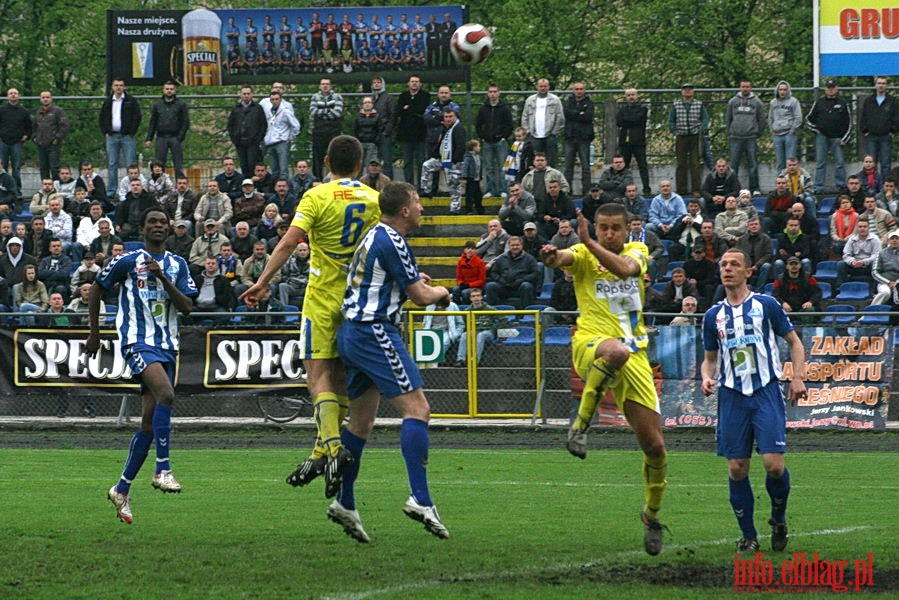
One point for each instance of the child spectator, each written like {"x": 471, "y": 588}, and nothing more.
{"x": 471, "y": 173}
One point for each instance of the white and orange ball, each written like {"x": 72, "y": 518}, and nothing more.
{"x": 471, "y": 44}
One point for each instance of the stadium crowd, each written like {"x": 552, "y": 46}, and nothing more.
{"x": 799, "y": 235}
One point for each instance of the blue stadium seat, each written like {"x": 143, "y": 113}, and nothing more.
{"x": 578, "y": 203}
{"x": 667, "y": 245}
{"x": 827, "y": 205}
{"x": 659, "y": 287}
{"x": 824, "y": 227}
{"x": 111, "y": 310}
{"x": 841, "y": 319}
{"x": 774, "y": 245}
{"x": 826, "y": 270}
{"x": 671, "y": 266}
{"x": 854, "y": 290}
{"x": 557, "y": 336}
{"x": 825, "y": 290}
{"x": 759, "y": 203}
{"x": 237, "y": 319}
{"x": 526, "y": 337}
{"x": 294, "y": 318}
{"x": 509, "y": 318}
{"x": 546, "y": 292}
{"x": 132, "y": 245}
{"x": 529, "y": 319}
{"x": 768, "y": 288}
{"x": 871, "y": 315}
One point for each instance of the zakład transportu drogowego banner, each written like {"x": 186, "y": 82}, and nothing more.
{"x": 295, "y": 45}
{"x": 849, "y": 370}
{"x": 858, "y": 37}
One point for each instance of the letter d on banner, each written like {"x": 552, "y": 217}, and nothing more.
{"x": 428, "y": 345}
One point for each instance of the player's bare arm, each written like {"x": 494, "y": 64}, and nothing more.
{"x": 422, "y": 294}
{"x": 796, "y": 390}
{"x": 285, "y": 248}
{"x": 709, "y": 370}
{"x": 93, "y": 315}
{"x": 181, "y": 302}
{"x": 554, "y": 258}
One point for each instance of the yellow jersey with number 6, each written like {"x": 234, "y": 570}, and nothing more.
{"x": 335, "y": 215}
{"x": 610, "y": 306}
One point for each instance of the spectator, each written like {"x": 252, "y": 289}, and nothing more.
{"x": 89, "y": 226}
{"x": 809, "y": 226}
{"x": 128, "y": 215}
{"x": 855, "y": 192}
{"x": 30, "y": 295}
{"x": 778, "y": 205}
{"x": 303, "y": 180}
{"x": 784, "y": 120}
{"x": 272, "y": 243}
{"x": 687, "y": 316}
{"x": 65, "y": 184}
{"x": 745, "y": 120}
{"x": 282, "y": 128}
{"x": 552, "y": 209}
{"x": 433, "y": 118}
{"x": 537, "y": 180}
{"x": 246, "y": 128}
{"x": 471, "y": 273}
{"x": 180, "y": 242}
{"x": 797, "y": 291}
{"x": 885, "y": 271}
{"x": 877, "y": 120}
{"x": 688, "y": 120}
{"x": 9, "y": 192}
{"x": 283, "y": 199}
{"x": 616, "y": 178}
{"x": 230, "y": 265}
{"x": 249, "y": 206}
{"x": 120, "y": 118}
{"x": 757, "y": 245}
{"x": 566, "y": 236}
{"x": 385, "y": 105}
{"x": 242, "y": 242}
{"x": 51, "y": 126}
{"x": 215, "y": 293}
{"x": 229, "y": 180}
{"x": 579, "y": 112}
{"x": 494, "y": 127}
{"x": 252, "y": 268}
{"x": 665, "y": 210}
{"x": 744, "y": 203}
{"x": 452, "y": 327}
{"x": 55, "y": 269}
{"x": 12, "y": 269}
{"x": 367, "y": 129}
{"x": 731, "y": 224}
{"x": 80, "y": 304}
{"x": 410, "y": 127}
{"x": 295, "y": 277}
{"x": 471, "y": 174}
{"x": 159, "y": 184}
{"x": 169, "y": 122}
{"x": 41, "y": 198}
{"x": 267, "y": 228}
{"x": 208, "y": 244}
{"x": 447, "y": 156}
{"x": 485, "y": 328}
{"x": 15, "y": 129}
{"x": 492, "y": 243}
{"x": 514, "y": 273}
{"x": 124, "y": 185}
{"x": 6, "y": 232}
{"x": 631, "y": 122}
{"x": 37, "y": 242}
{"x": 635, "y": 204}
{"x": 263, "y": 180}
{"x": 717, "y": 186}
{"x": 675, "y": 291}
{"x": 93, "y": 183}
{"x": 54, "y": 316}
{"x": 520, "y": 159}
{"x": 325, "y": 111}
{"x": 638, "y": 233}
{"x": 685, "y": 231}
{"x": 869, "y": 176}
{"x": 59, "y": 223}
{"x": 85, "y": 273}
{"x": 703, "y": 273}
{"x": 792, "y": 243}
{"x": 799, "y": 182}
{"x": 373, "y": 177}
{"x": 859, "y": 254}
{"x": 595, "y": 198}
{"x": 80, "y": 205}
{"x": 179, "y": 204}
{"x": 881, "y": 221}
{"x": 213, "y": 205}
{"x": 831, "y": 119}
{"x": 887, "y": 198}
{"x": 544, "y": 117}
{"x": 842, "y": 224}
{"x": 563, "y": 299}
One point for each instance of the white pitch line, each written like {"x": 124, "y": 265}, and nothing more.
{"x": 491, "y": 576}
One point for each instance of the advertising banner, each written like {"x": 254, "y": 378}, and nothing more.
{"x": 293, "y": 45}
{"x": 858, "y": 38}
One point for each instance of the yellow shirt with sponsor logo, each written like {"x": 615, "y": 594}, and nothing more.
{"x": 335, "y": 215}
{"x": 610, "y": 306}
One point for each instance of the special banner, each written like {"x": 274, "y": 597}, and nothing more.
{"x": 859, "y": 38}
{"x": 206, "y": 47}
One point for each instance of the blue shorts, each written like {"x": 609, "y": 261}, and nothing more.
{"x": 374, "y": 354}
{"x": 761, "y": 418}
{"x": 141, "y": 356}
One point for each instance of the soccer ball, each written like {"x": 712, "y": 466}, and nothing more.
{"x": 471, "y": 44}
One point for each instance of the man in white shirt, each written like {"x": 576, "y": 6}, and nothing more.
{"x": 544, "y": 118}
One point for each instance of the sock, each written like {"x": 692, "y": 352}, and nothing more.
{"x": 414, "y": 444}
{"x": 779, "y": 490}
{"x": 327, "y": 420}
{"x": 355, "y": 445}
{"x": 600, "y": 378}
{"x": 137, "y": 454}
{"x": 318, "y": 449}
{"x": 654, "y": 472}
{"x": 744, "y": 506}
{"x": 162, "y": 430}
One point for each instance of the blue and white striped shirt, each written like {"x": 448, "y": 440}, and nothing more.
{"x": 382, "y": 266}
{"x": 146, "y": 315}
{"x": 744, "y": 337}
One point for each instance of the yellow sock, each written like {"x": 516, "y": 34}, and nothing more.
{"x": 344, "y": 403}
{"x": 600, "y": 378}
{"x": 318, "y": 449}
{"x": 654, "y": 472}
{"x": 327, "y": 421}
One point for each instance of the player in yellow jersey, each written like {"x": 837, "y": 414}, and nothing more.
{"x": 335, "y": 216}
{"x": 609, "y": 348}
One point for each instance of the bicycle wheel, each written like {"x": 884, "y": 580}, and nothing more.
{"x": 280, "y": 409}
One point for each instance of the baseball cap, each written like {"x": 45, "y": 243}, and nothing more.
{"x": 793, "y": 259}
{"x": 687, "y": 85}
{"x": 87, "y": 254}
{"x": 894, "y": 233}
{"x": 247, "y": 182}
{"x": 594, "y": 187}
{"x": 182, "y": 223}
{"x": 529, "y": 226}
{"x": 208, "y": 222}
{"x": 698, "y": 249}
{"x": 830, "y": 83}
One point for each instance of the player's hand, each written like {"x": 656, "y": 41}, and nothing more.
{"x": 92, "y": 345}
{"x": 425, "y": 277}
{"x": 548, "y": 254}
{"x": 708, "y": 386}
{"x": 583, "y": 231}
{"x": 255, "y": 294}
{"x": 796, "y": 391}
{"x": 153, "y": 267}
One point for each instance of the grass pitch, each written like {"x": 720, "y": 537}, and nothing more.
{"x": 524, "y": 524}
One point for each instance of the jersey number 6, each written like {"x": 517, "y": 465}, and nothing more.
{"x": 352, "y": 224}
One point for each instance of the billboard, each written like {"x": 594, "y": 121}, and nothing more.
{"x": 858, "y": 38}
{"x": 292, "y": 45}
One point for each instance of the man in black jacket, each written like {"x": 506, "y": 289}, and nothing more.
{"x": 578, "y": 110}
{"x": 246, "y": 128}
{"x": 448, "y": 155}
{"x": 169, "y": 122}
{"x": 494, "y": 126}
{"x": 15, "y": 129}
{"x": 410, "y": 127}
{"x": 119, "y": 120}
{"x": 631, "y": 122}
{"x": 717, "y": 186}
{"x": 215, "y": 292}
{"x": 877, "y": 120}
{"x": 831, "y": 120}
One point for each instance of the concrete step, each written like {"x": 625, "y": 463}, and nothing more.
{"x": 439, "y": 246}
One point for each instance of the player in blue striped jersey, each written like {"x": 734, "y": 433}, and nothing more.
{"x": 154, "y": 285}
{"x": 382, "y": 274}
{"x": 739, "y": 335}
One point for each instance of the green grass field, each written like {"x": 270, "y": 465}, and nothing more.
{"x": 524, "y": 524}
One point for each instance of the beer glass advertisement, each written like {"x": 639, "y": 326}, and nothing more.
{"x": 226, "y": 47}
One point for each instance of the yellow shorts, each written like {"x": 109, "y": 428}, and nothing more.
{"x": 635, "y": 380}
{"x": 319, "y": 322}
